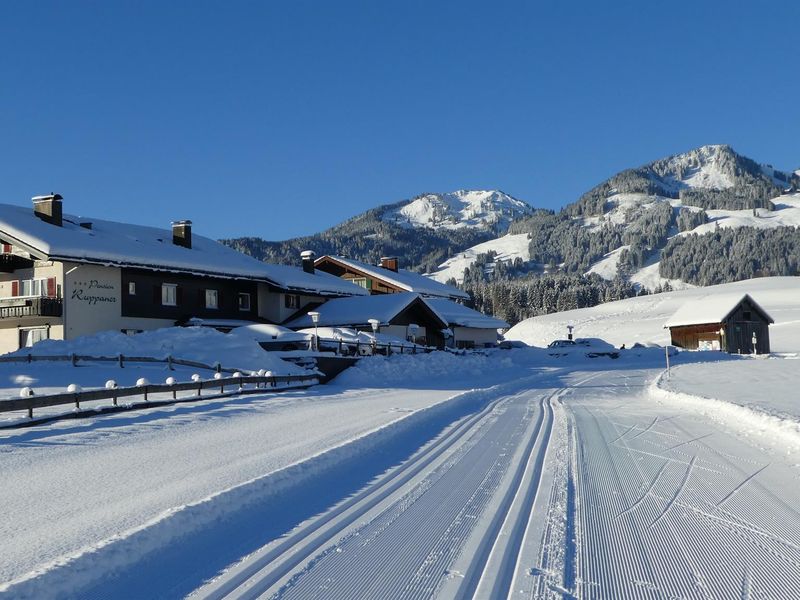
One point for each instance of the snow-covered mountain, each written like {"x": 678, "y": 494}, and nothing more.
{"x": 481, "y": 209}
{"x": 622, "y": 225}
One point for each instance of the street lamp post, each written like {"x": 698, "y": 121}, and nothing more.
{"x": 374, "y": 323}
{"x": 755, "y": 343}
{"x": 722, "y": 339}
{"x": 570, "y": 327}
{"x": 315, "y": 319}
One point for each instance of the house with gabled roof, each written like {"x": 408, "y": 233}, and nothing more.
{"x": 404, "y": 315}
{"x": 733, "y": 323}
{"x": 63, "y": 276}
{"x": 387, "y": 278}
{"x": 470, "y": 328}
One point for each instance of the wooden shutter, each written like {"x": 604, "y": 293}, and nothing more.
{"x": 157, "y": 294}
{"x": 219, "y": 299}
{"x": 178, "y": 295}
{"x": 15, "y": 288}
{"x": 7, "y": 248}
{"x": 201, "y": 298}
{"x": 51, "y": 287}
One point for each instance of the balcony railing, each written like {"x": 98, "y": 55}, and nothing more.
{"x": 15, "y": 308}
{"x": 11, "y": 262}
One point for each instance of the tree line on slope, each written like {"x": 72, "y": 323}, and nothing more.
{"x": 726, "y": 255}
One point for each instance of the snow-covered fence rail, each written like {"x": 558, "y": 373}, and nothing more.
{"x": 120, "y": 359}
{"x": 235, "y": 385}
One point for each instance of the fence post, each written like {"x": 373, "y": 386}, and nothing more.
{"x": 169, "y": 362}
{"x": 74, "y": 359}
{"x": 77, "y": 400}
{"x": 30, "y": 413}
{"x": 30, "y": 357}
{"x": 121, "y": 361}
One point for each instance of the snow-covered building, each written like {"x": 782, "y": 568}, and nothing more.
{"x": 470, "y": 328}
{"x": 387, "y": 278}
{"x": 396, "y": 315}
{"x": 63, "y": 276}
{"x": 733, "y": 323}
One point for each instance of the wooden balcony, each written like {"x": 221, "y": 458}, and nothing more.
{"x": 16, "y": 308}
{"x": 11, "y": 262}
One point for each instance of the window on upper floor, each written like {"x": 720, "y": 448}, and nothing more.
{"x": 244, "y": 301}
{"x": 212, "y": 299}
{"x": 169, "y": 294}
{"x": 291, "y": 301}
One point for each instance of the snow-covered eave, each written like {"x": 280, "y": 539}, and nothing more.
{"x": 200, "y": 272}
{"x": 686, "y": 322}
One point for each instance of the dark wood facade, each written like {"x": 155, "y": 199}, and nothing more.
{"x": 190, "y": 300}
{"x": 375, "y": 285}
{"x": 734, "y": 334}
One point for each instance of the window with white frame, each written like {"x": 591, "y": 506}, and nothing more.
{"x": 244, "y": 301}
{"x": 169, "y": 294}
{"x": 291, "y": 301}
{"x": 33, "y": 287}
{"x": 132, "y": 288}
{"x": 212, "y": 299}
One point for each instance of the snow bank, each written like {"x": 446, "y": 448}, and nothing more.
{"x": 747, "y": 395}
{"x": 403, "y": 370}
{"x": 200, "y": 344}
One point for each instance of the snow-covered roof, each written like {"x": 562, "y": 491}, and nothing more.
{"x": 459, "y": 315}
{"x": 357, "y": 311}
{"x": 122, "y": 244}
{"x": 713, "y": 308}
{"x": 402, "y": 278}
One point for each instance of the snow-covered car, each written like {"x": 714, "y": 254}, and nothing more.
{"x": 590, "y": 347}
{"x": 274, "y": 337}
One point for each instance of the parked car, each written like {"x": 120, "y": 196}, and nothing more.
{"x": 561, "y": 344}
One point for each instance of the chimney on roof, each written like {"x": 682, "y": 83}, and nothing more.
{"x": 389, "y": 262}
{"x": 182, "y": 233}
{"x": 307, "y": 256}
{"x": 48, "y": 208}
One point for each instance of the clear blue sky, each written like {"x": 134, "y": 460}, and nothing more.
{"x": 282, "y": 118}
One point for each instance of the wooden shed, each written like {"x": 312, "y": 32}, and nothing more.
{"x": 730, "y": 323}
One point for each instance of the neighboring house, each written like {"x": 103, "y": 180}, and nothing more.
{"x": 63, "y": 276}
{"x": 727, "y": 322}
{"x": 396, "y": 313}
{"x": 470, "y": 328}
{"x": 387, "y": 278}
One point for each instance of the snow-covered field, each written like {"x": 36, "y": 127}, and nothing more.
{"x": 642, "y": 319}
{"x": 504, "y": 475}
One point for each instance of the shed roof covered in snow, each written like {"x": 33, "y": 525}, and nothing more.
{"x": 125, "y": 245}
{"x": 458, "y": 315}
{"x": 713, "y": 308}
{"x": 357, "y": 311}
{"x": 401, "y": 279}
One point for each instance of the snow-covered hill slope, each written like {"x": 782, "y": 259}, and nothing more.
{"x": 642, "y": 319}
{"x": 507, "y": 248}
{"x": 712, "y": 179}
{"x": 460, "y": 209}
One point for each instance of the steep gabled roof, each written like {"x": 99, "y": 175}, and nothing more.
{"x": 402, "y": 278}
{"x": 713, "y": 308}
{"x": 357, "y": 311}
{"x": 125, "y": 245}
{"x": 460, "y": 316}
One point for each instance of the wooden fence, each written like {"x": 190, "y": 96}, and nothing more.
{"x": 120, "y": 359}
{"x": 235, "y": 385}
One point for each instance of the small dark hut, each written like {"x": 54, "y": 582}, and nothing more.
{"x": 731, "y": 323}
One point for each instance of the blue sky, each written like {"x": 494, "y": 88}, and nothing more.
{"x": 281, "y": 119}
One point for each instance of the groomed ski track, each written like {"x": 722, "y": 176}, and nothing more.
{"x": 587, "y": 490}
{"x": 469, "y": 493}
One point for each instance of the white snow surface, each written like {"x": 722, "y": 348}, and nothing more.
{"x": 459, "y": 315}
{"x": 713, "y": 307}
{"x": 112, "y": 243}
{"x": 201, "y": 344}
{"x": 480, "y": 209}
{"x": 642, "y": 319}
{"x": 404, "y": 279}
{"x": 508, "y": 248}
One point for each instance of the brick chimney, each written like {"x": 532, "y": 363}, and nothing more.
{"x": 48, "y": 208}
{"x": 182, "y": 233}
{"x": 307, "y": 256}
{"x": 389, "y": 262}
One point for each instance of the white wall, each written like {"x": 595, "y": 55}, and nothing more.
{"x": 480, "y": 337}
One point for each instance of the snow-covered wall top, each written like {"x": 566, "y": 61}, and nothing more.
{"x": 123, "y": 244}
{"x": 456, "y": 210}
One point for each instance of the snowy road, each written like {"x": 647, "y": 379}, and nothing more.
{"x": 586, "y": 490}
{"x": 551, "y": 483}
